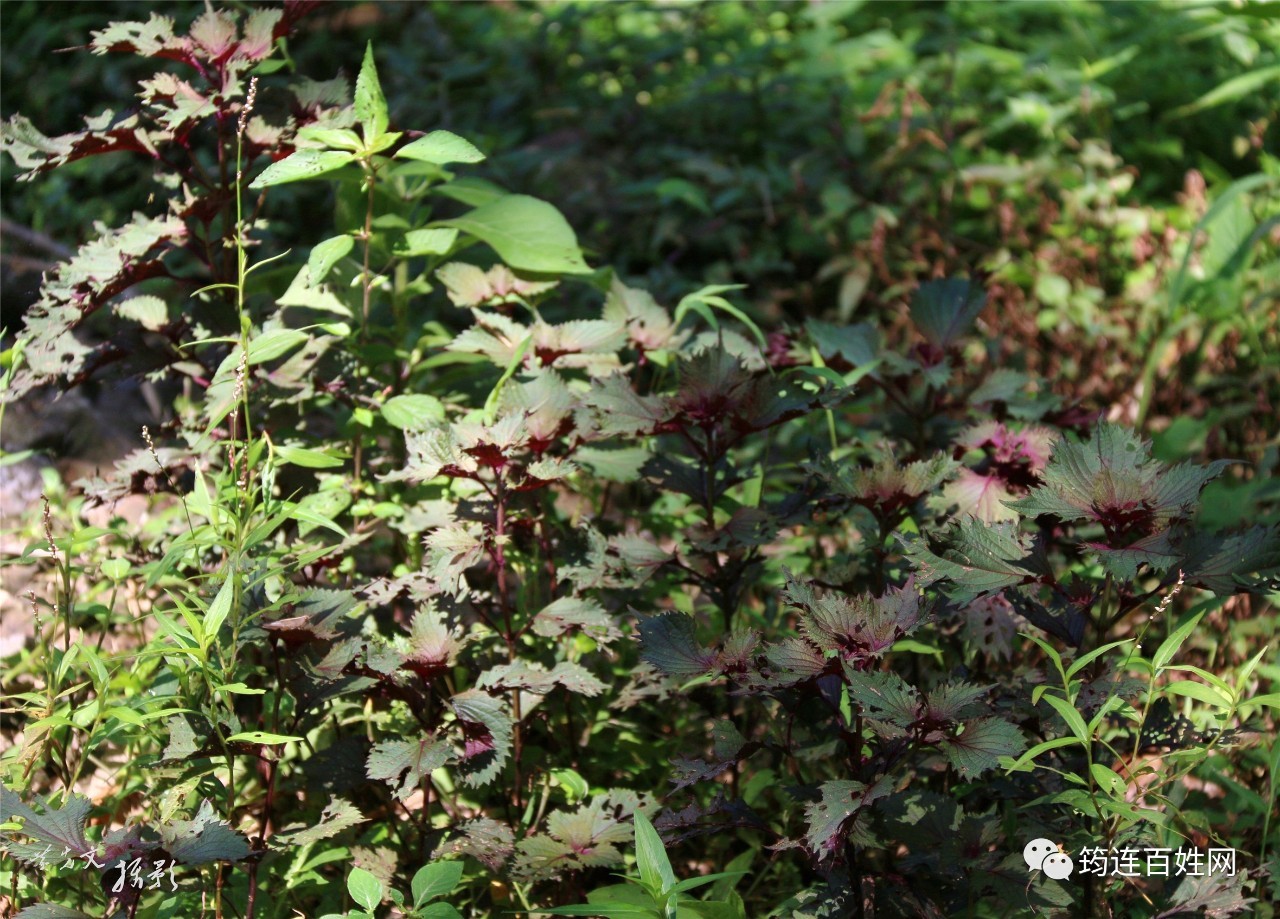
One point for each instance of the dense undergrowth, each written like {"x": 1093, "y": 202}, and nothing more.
{"x": 879, "y": 479}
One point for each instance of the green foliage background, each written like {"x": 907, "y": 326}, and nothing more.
{"x": 896, "y": 485}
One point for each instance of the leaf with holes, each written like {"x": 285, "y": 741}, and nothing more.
{"x": 338, "y": 815}
{"x": 203, "y": 839}
{"x": 842, "y": 816}
{"x": 403, "y": 764}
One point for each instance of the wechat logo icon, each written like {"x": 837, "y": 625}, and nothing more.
{"x": 1047, "y": 856}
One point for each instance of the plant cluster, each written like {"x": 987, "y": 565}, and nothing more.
{"x": 471, "y": 570}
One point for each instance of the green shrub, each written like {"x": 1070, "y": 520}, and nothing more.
{"x": 417, "y": 493}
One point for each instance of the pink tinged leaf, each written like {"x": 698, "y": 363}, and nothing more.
{"x": 841, "y": 815}
{"x": 61, "y": 827}
{"x": 979, "y": 746}
{"x": 486, "y": 731}
{"x": 980, "y": 496}
{"x": 483, "y": 838}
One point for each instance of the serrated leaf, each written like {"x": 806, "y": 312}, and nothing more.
{"x": 977, "y": 495}
{"x": 856, "y": 627}
{"x": 572, "y": 614}
{"x": 943, "y": 310}
{"x": 451, "y": 550}
{"x": 1112, "y": 480}
{"x": 59, "y": 828}
{"x": 980, "y": 745}
{"x": 839, "y": 816}
{"x": 440, "y": 148}
{"x": 583, "y": 838}
{"x": 977, "y": 559}
{"x": 338, "y": 815}
{"x": 484, "y": 839}
{"x": 615, "y": 409}
{"x": 72, "y": 291}
{"x": 615, "y": 465}
{"x": 203, "y": 839}
{"x": 1220, "y": 897}
{"x": 403, "y": 764}
{"x": 669, "y": 642}
{"x": 533, "y": 677}
{"x": 955, "y": 701}
{"x": 884, "y": 696}
{"x": 486, "y": 733}
{"x": 1229, "y": 563}
{"x": 794, "y": 660}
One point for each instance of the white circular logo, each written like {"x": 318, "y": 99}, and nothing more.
{"x": 1058, "y": 866}
{"x": 1036, "y": 851}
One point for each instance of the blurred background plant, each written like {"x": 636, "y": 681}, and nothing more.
{"x": 272, "y": 596}
{"x": 831, "y": 155}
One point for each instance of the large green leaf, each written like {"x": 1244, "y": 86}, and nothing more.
{"x": 651, "y": 856}
{"x": 528, "y": 234}
{"x": 304, "y": 164}
{"x": 441, "y": 147}
{"x": 435, "y": 880}
{"x": 364, "y": 888}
